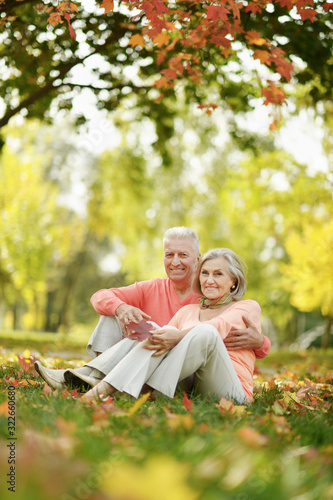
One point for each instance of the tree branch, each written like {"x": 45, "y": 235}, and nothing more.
{"x": 41, "y": 92}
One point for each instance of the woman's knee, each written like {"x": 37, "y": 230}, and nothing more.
{"x": 206, "y": 334}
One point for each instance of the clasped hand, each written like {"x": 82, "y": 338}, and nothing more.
{"x": 162, "y": 341}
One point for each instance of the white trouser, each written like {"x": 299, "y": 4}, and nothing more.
{"x": 107, "y": 333}
{"x": 128, "y": 366}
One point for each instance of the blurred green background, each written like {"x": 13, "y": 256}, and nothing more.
{"x": 93, "y": 170}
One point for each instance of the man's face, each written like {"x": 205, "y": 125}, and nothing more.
{"x": 180, "y": 259}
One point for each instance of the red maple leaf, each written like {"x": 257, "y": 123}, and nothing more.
{"x": 160, "y": 7}
{"x": 214, "y": 12}
{"x": 327, "y": 6}
{"x": 169, "y": 73}
{"x": 187, "y": 402}
{"x": 27, "y": 363}
{"x": 141, "y": 331}
{"x": 287, "y": 3}
{"x": 273, "y": 95}
{"x": 71, "y": 30}
{"x": 307, "y": 14}
{"x": 253, "y": 7}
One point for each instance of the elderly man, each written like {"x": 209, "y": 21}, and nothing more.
{"x": 155, "y": 300}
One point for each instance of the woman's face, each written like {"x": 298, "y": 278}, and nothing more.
{"x": 215, "y": 281}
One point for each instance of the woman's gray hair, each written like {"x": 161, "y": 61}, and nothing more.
{"x": 182, "y": 232}
{"x": 235, "y": 267}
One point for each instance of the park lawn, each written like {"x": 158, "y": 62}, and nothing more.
{"x": 279, "y": 447}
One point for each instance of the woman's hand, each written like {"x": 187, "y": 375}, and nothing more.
{"x": 163, "y": 340}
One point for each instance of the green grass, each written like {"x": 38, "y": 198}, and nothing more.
{"x": 68, "y": 450}
{"x": 72, "y": 342}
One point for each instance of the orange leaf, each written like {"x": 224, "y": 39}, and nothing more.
{"x": 273, "y": 95}
{"x": 161, "y": 39}
{"x": 162, "y": 83}
{"x": 225, "y": 404}
{"x": 54, "y": 19}
{"x": 169, "y": 73}
{"x": 252, "y": 437}
{"x": 263, "y": 56}
{"x": 255, "y": 39}
{"x": 160, "y": 58}
{"x": 136, "y": 40}
{"x": 187, "y": 402}
{"x": 253, "y": 7}
{"x": 107, "y": 5}
{"x": 4, "y": 409}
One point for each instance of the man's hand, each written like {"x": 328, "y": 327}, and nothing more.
{"x": 248, "y": 338}
{"x": 163, "y": 340}
{"x": 127, "y": 314}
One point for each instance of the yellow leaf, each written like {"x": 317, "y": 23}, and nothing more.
{"x": 136, "y": 40}
{"x": 161, "y": 39}
{"x": 25, "y": 382}
{"x": 137, "y": 405}
{"x": 176, "y": 421}
{"x": 289, "y": 398}
{"x": 238, "y": 410}
{"x": 160, "y": 477}
{"x": 277, "y": 409}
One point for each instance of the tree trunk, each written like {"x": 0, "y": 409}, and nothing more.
{"x": 325, "y": 339}
{"x": 70, "y": 282}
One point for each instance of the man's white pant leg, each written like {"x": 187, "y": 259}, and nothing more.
{"x": 106, "y": 361}
{"x": 107, "y": 333}
{"x": 131, "y": 373}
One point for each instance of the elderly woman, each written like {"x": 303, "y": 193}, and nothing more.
{"x": 192, "y": 342}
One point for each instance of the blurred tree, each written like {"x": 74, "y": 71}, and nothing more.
{"x": 39, "y": 66}
{"x": 254, "y": 204}
{"x": 42, "y": 242}
{"x": 309, "y": 273}
{"x": 32, "y": 231}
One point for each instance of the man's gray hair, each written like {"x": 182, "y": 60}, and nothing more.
{"x": 182, "y": 232}
{"x": 235, "y": 267}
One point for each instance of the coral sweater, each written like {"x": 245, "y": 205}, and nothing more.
{"x": 242, "y": 360}
{"x": 157, "y": 298}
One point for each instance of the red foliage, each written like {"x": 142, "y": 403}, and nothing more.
{"x": 215, "y": 25}
{"x": 187, "y": 402}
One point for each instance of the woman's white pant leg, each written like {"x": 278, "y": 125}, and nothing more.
{"x": 202, "y": 352}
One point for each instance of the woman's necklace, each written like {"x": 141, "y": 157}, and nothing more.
{"x": 206, "y": 303}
